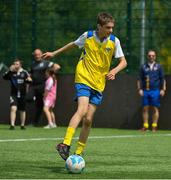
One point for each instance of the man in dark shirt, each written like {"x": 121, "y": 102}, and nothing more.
{"x": 39, "y": 66}
{"x": 151, "y": 85}
{"x": 18, "y": 78}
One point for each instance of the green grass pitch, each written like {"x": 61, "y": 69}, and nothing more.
{"x": 110, "y": 153}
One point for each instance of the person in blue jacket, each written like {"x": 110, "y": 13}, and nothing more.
{"x": 151, "y": 86}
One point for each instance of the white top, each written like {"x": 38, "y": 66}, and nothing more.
{"x": 151, "y": 65}
{"x": 81, "y": 41}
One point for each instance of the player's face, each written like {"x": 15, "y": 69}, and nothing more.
{"x": 37, "y": 55}
{"x": 106, "y": 29}
{"x": 17, "y": 65}
{"x": 151, "y": 56}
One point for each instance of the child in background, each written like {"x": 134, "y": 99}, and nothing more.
{"x": 19, "y": 79}
{"x": 50, "y": 98}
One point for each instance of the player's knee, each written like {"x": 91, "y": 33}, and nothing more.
{"x": 82, "y": 112}
{"x": 88, "y": 121}
{"x": 13, "y": 108}
{"x": 155, "y": 109}
{"x": 145, "y": 109}
{"x": 45, "y": 108}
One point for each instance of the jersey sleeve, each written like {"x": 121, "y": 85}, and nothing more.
{"x": 7, "y": 75}
{"x": 48, "y": 64}
{"x": 26, "y": 74}
{"x": 49, "y": 84}
{"x": 81, "y": 40}
{"x": 118, "y": 49}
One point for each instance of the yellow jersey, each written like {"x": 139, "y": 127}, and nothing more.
{"x": 94, "y": 62}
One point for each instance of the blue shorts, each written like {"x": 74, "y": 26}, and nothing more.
{"x": 151, "y": 98}
{"x": 95, "y": 97}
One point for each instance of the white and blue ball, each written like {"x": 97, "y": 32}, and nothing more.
{"x": 75, "y": 164}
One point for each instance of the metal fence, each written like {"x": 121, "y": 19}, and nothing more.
{"x": 49, "y": 24}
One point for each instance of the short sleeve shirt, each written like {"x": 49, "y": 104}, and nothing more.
{"x": 38, "y": 71}
{"x": 118, "y": 49}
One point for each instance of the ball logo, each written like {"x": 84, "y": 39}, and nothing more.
{"x": 75, "y": 164}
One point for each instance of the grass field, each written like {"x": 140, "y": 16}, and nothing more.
{"x": 110, "y": 153}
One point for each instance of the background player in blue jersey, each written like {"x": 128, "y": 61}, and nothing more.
{"x": 151, "y": 86}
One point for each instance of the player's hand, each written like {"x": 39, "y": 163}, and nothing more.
{"x": 29, "y": 79}
{"x": 141, "y": 92}
{"x": 12, "y": 68}
{"x": 162, "y": 93}
{"x": 111, "y": 75}
{"x": 48, "y": 55}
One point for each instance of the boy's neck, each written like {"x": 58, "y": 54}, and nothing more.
{"x": 151, "y": 62}
{"x": 100, "y": 36}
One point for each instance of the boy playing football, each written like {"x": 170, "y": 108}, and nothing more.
{"x": 92, "y": 70}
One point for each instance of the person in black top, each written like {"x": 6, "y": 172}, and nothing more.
{"x": 38, "y": 69}
{"x": 19, "y": 79}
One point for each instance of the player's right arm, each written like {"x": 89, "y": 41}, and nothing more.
{"x": 67, "y": 47}
{"x": 78, "y": 43}
{"x": 7, "y": 75}
{"x": 140, "y": 91}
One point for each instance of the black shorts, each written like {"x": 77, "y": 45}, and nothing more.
{"x": 19, "y": 102}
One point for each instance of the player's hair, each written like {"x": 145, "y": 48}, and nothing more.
{"x": 149, "y": 50}
{"x": 52, "y": 73}
{"x": 104, "y": 18}
{"x": 18, "y": 60}
{"x": 36, "y": 50}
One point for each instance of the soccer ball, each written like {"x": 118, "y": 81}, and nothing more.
{"x": 75, "y": 164}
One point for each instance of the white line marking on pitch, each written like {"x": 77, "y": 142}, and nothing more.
{"x": 91, "y": 137}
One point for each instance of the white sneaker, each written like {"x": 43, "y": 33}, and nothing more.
{"x": 54, "y": 125}
{"x": 48, "y": 126}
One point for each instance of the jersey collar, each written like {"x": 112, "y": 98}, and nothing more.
{"x": 97, "y": 38}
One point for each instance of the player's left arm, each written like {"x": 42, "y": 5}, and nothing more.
{"x": 163, "y": 90}
{"x": 162, "y": 82}
{"x": 28, "y": 78}
{"x": 112, "y": 73}
{"x": 119, "y": 55}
